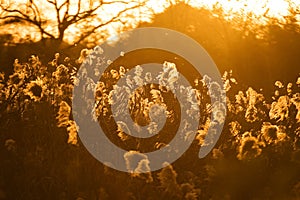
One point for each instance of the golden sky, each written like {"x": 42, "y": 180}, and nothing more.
{"x": 258, "y": 7}
{"x": 232, "y": 8}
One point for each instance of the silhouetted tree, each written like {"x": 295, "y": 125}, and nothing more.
{"x": 64, "y": 14}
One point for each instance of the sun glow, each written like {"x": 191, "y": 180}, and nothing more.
{"x": 255, "y": 10}
{"x": 258, "y": 8}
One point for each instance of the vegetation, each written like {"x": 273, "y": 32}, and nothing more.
{"x": 257, "y": 156}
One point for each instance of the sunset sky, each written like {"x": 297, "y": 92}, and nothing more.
{"x": 231, "y": 8}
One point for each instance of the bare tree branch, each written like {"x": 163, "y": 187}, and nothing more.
{"x": 113, "y": 19}
{"x": 63, "y": 4}
{"x": 64, "y": 18}
{"x": 18, "y": 14}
